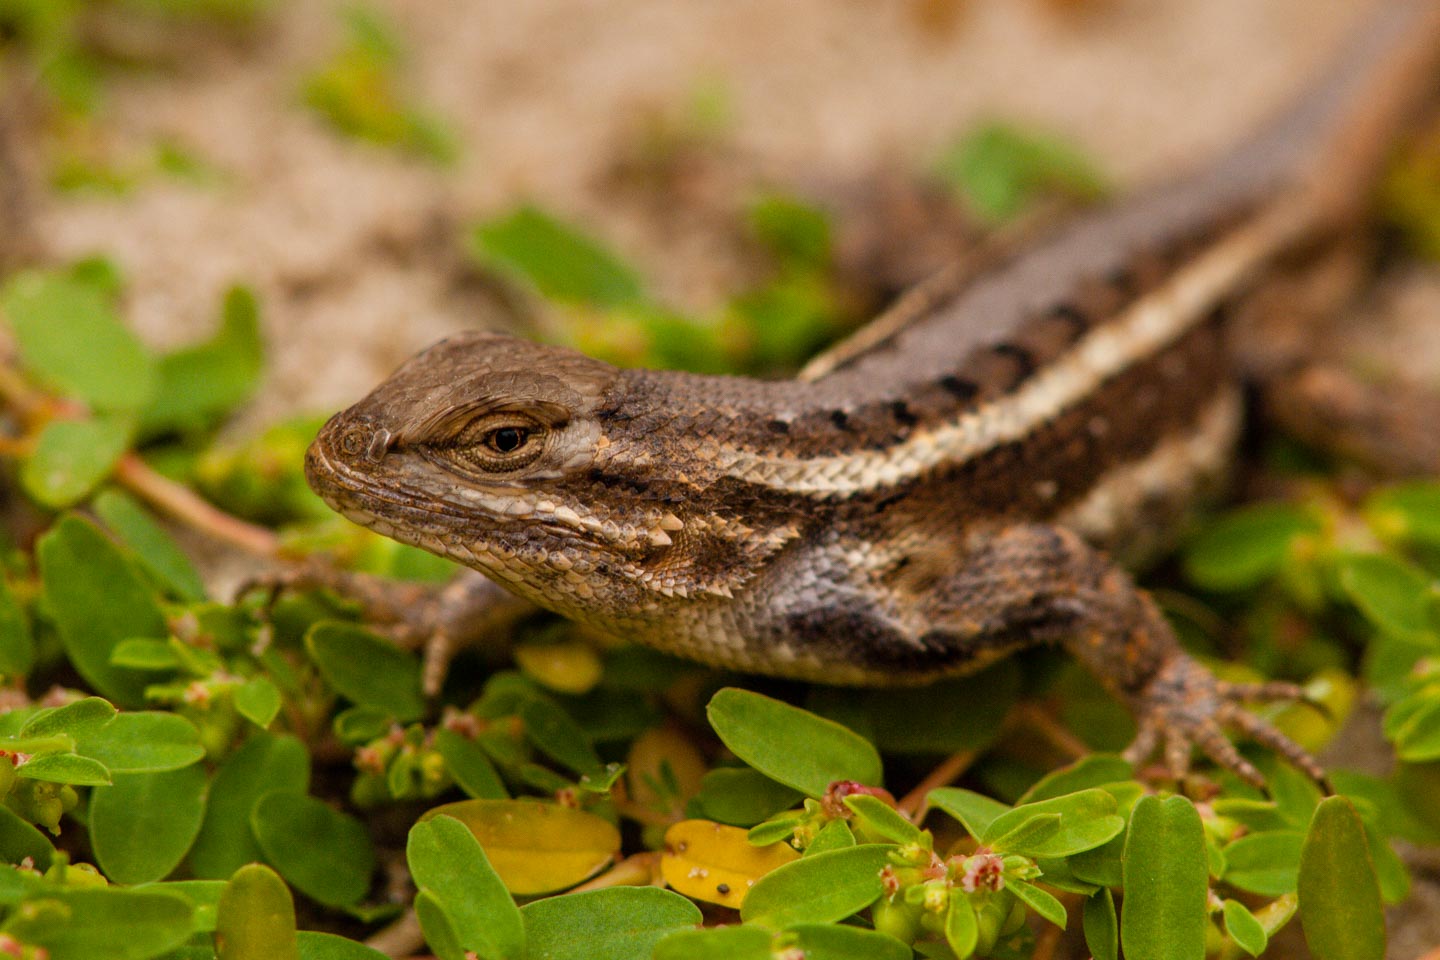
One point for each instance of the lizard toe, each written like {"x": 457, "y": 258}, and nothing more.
{"x": 1184, "y": 707}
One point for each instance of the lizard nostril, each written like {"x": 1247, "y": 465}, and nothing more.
{"x": 352, "y": 441}
{"x": 363, "y": 438}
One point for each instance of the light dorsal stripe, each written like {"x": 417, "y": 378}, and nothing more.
{"x": 1146, "y": 327}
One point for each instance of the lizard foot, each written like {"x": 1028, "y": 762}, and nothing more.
{"x": 1184, "y": 706}
{"x": 440, "y": 621}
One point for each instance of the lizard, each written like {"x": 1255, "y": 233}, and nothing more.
{"x": 932, "y": 497}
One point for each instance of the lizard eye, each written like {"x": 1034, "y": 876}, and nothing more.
{"x": 499, "y": 444}
{"x": 507, "y": 439}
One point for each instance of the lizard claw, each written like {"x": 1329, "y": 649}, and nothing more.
{"x": 1184, "y": 706}
{"x": 438, "y": 620}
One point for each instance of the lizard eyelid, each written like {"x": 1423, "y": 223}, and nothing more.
{"x": 456, "y": 423}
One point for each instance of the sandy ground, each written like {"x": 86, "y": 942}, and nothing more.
{"x": 354, "y": 249}
{"x": 351, "y": 246}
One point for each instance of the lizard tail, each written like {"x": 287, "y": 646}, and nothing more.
{"x": 1332, "y": 146}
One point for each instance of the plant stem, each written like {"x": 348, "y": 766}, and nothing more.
{"x": 185, "y": 505}
{"x": 948, "y": 770}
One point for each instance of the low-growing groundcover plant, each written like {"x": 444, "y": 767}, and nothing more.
{"x": 189, "y": 777}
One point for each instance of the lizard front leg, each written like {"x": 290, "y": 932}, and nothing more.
{"x": 1022, "y": 585}
{"x": 470, "y": 610}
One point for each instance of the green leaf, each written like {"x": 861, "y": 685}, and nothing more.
{"x": 367, "y": 669}
{"x": 1340, "y": 908}
{"x": 772, "y": 831}
{"x": 1244, "y": 929}
{"x": 1407, "y": 511}
{"x": 17, "y": 643}
{"x": 742, "y": 797}
{"x": 1100, "y": 866}
{"x": 97, "y": 599}
{"x": 1166, "y": 882}
{"x": 448, "y": 863}
{"x": 325, "y": 854}
{"x": 557, "y": 260}
{"x": 71, "y": 340}
{"x": 19, "y": 839}
{"x": 79, "y": 719}
{"x": 143, "y": 742}
{"x": 140, "y": 653}
{"x": 1393, "y": 594}
{"x": 816, "y": 941}
{"x": 1257, "y": 816}
{"x": 1059, "y": 874}
{"x": 1094, "y": 770}
{"x": 975, "y": 812}
{"x": 72, "y": 457}
{"x": 795, "y": 232}
{"x": 1026, "y": 836}
{"x": 1295, "y": 794}
{"x": 1102, "y": 927}
{"x": 962, "y": 931}
{"x": 327, "y": 946}
{"x": 358, "y": 93}
{"x": 1264, "y": 863}
{"x": 154, "y": 550}
{"x": 716, "y": 943}
{"x": 434, "y": 923}
{"x": 1087, "y": 820}
{"x": 257, "y": 700}
{"x": 824, "y": 888}
{"x": 263, "y": 764}
{"x": 66, "y": 768}
{"x": 1413, "y": 725}
{"x": 82, "y": 924}
{"x": 554, "y": 734}
{"x": 835, "y": 835}
{"x": 812, "y": 941}
{"x": 763, "y": 732}
{"x": 357, "y": 725}
{"x": 619, "y": 923}
{"x": 882, "y": 820}
{"x": 200, "y": 384}
{"x": 256, "y": 917}
{"x": 141, "y": 828}
{"x": 468, "y": 764}
{"x": 1000, "y": 170}
{"x": 202, "y": 895}
{"x": 1248, "y": 546}
{"x": 1041, "y": 902}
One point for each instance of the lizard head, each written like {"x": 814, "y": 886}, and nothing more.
{"x": 477, "y": 449}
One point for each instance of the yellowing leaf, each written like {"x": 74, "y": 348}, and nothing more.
{"x": 563, "y": 667}
{"x": 715, "y": 863}
{"x": 664, "y": 768}
{"x": 536, "y": 847}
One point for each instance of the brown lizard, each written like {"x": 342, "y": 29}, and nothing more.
{"x": 937, "y": 495}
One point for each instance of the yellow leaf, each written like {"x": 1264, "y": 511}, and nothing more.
{"x": 536, "y": 847}
{"x": 715, "y": 863}
{"x": 564, "y": 667}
